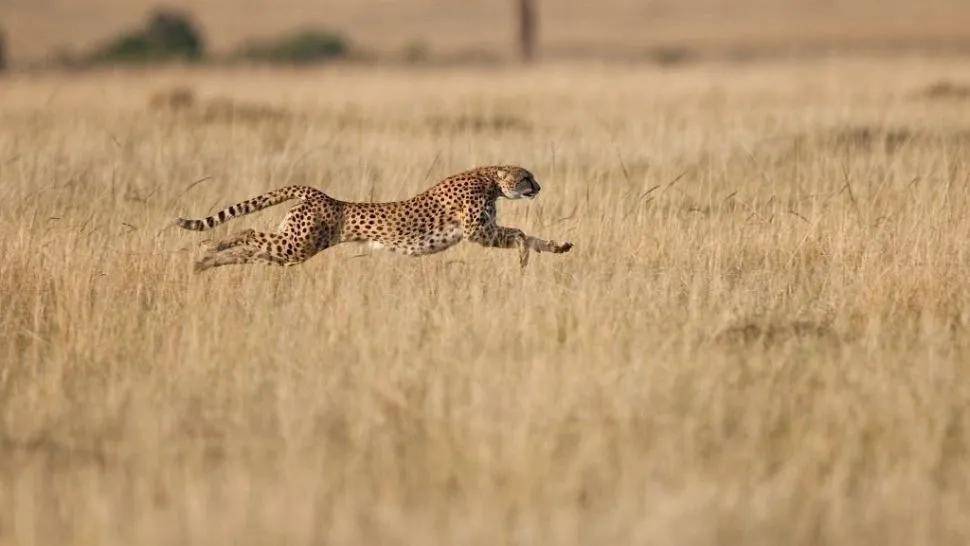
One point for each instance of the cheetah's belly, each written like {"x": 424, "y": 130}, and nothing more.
{"x": 425, "y": 243}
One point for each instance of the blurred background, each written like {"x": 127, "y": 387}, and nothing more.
{"x": 82, "y": 32}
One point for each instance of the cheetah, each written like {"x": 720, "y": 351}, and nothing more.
{"x": 459, "y": 207}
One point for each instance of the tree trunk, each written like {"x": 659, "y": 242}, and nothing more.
{"x": 527, "y": 29}
{"x": 3, "y": 51}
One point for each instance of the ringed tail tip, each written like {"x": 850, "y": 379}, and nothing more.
{"x": 194, "y": 225}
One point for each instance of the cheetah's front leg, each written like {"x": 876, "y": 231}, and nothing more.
{"x": 528, "y": 243}
{"x": 503, "y": 237}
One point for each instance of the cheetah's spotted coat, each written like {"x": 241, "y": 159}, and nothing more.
{"x": 459, "y": 207}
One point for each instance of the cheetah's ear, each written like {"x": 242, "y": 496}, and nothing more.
{"x": 501, "y": 173}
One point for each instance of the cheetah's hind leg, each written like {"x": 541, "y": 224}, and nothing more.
{"x": 229, "y": 256}
{"x": 253, "y": 246}
{"x": 236, "y": 239}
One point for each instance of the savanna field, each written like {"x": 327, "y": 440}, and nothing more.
{"x": 760, "y": 336}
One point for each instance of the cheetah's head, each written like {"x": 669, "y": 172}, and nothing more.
{"x": 516, "y": 182}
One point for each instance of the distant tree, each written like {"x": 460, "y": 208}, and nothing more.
{"x": 168, "y": 35}
{"x": 175, "y": 33}
{"x": 527, "y": 29}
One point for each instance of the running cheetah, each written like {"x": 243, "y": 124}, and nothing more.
{"x": 459, "y": 207}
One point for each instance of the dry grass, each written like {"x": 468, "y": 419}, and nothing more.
{"x": 760, "y": 337}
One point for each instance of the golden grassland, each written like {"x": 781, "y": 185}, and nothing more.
{"x": 760, "y": 336}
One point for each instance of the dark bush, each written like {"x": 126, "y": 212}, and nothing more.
{"x": 672, "y": 55}
{"x": 169, "y": 35}
{"x": 301, "y": 47}
{"x": 415, "y": 52}
{"x": 945, "y": 89}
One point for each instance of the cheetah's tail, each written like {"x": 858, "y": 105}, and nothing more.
{"x": 259, "y": 202}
